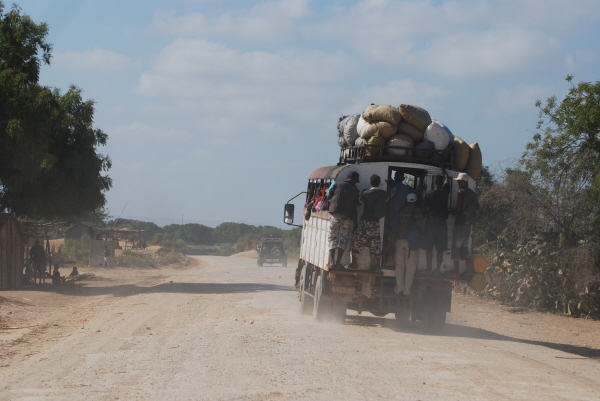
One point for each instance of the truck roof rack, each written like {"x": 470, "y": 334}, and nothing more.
{"x": 358, "y": 154}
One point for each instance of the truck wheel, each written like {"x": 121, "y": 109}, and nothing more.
{"x": 306, "y": 302}
{"x": 276, "y": 252}
{"x": 434, "y": 320}
{"x": 260, "y": 263}
{"x": 322, "y": 308}
{"x": 284, "y": 263}
{"x": 338, "y": 311}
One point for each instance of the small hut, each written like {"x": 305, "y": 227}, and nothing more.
{"x": 80, "y": 230}
{"x": 12, "y": 248}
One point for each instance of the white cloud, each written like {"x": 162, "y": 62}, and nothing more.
{"x": 518, "y": 99}
{"x": 218, "y": 82}
{"x": 267, "y": 21}
{"x": 140, "y": 133}
{"x": 459, "y": 39}
{"x": 94, "y": 60}
{"x": 408, "y": 91}
{"x": 486, "y": 53}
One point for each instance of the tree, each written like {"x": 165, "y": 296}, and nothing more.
{"x": 49, "y": 167}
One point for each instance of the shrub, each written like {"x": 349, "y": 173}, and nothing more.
{"x": 73, "y": 250}
{"x": 131, "y": 258}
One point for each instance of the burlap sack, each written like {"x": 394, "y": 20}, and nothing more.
{"x": 460, "y": 156}
{"x": 385, "y": 113}
{"x": 473, "y": 166}
{"x": 414, "y": 133}
{"x": 376, "y": 140}
{"x": 400, "y": 140}
{"x": 385, "y": 129}
{"x": 415, "y": 116}
{"x": 360, "y": 125}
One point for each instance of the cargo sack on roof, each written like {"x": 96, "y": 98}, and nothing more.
{"x": 347, "y": 129}
{"x": 422, "y": 150}
{"x": 460, "y": 157}
{"x": 415, "y": 116}
{"x": 439, "y": 134}
{"x": 397, "y": 141}
{"x": 473, "y": 167}
{"x": 385, "y": 129}
{"x": 414, "y": 133}
{"x": 376, "y": 140}
{"x": 385, "y": 113}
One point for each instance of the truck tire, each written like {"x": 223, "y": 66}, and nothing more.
{"x": 260, "y": 263}
{"x": 306, "y": 302}
{"x": 276, "y": 252}
{"x": 284, "y": 263}
{"x": 402, "y": 317}
{"x": 322, "y": 308}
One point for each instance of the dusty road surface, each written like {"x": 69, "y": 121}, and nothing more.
{"x": 226, "y": 329}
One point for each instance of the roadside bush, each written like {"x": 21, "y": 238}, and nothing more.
{"x": 166, "y": 256}
{"x": 73, "y": 251}
{"x": 131, "y": 258}
{"x": 539, "y": 276}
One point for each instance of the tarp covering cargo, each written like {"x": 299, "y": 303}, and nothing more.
{"x": 460, "y": 157}
{"x": 473, "y": 166}
{"x": 400, "y": 140}
{"x": 415, "y": 116}
{"x": 385, "y": 129}
{"x": 385, "y": 113}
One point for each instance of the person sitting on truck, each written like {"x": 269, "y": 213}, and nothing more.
{"x": 466, "y": 213}
{"x": 344, "y": 199}
{"x": 410, "y": 221}
{"x": 435, "y": 209}
{"x": 368, "y": 232}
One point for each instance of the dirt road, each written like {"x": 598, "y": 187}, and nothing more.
{"x": 228, "y": 330}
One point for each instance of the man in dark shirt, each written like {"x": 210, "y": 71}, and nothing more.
{"x": 38, "y": 260}
{"x": 368, "y": 232}
{"x": 342, "y": 207}
{"x": 435, "y": 208}
{"x": 466, "y": 213}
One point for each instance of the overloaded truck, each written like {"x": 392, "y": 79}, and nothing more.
{"x": 327, "y": 293}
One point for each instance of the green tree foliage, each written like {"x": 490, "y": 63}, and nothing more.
{"x": 545, "y": 212}
{"x": 49, "y": 167}
{"x": 190, "y": 233}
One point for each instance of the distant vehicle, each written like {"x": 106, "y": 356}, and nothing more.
{"x": 270, "y": 250}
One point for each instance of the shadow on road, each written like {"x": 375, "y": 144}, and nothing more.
{"x": 457, "y": 330}
{"x": 126, "y": 290}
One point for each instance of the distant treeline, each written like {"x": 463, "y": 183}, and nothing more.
{"x": 245, "y": 236}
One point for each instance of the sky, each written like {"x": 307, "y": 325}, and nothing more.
{"x": 218, "y": 110}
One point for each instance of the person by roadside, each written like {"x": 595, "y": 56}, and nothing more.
{"x": 465, "y": 216}
{"x": 343, "y": 201}
{"x": 406, "y": 259}
{"x": 435, "y": 209}
{"x": 38, "y": 260}
{"x": 106, "y": 256}
{"x": 368, "y": 232}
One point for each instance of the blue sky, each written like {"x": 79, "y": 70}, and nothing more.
{"x": 219, "y": 110}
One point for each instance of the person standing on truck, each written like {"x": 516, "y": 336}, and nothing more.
{"x": 466, "y": 213}
{"x": 410, "y": 220}
{"x": 368, "y": 232}
{"x": 344, "y": 199}
{"x": 435, "y": 208}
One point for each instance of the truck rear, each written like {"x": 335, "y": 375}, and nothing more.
{"x": 327, "y": 293}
